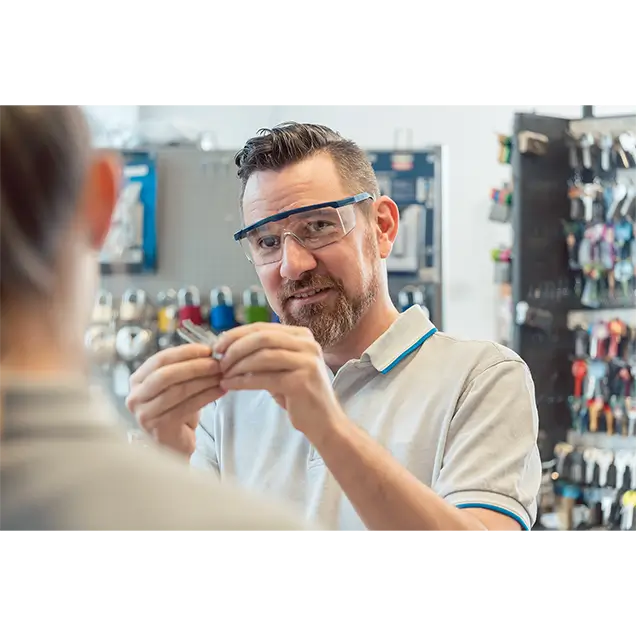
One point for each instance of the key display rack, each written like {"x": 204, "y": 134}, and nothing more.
{"x": 573, "y": 272}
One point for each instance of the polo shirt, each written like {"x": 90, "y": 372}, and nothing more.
{"x": 66, "y": 464}
{"x": 460, "y": 415}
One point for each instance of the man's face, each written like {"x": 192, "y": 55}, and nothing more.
{"x": 345, "y": 274}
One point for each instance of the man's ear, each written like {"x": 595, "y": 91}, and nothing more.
{"x": 387, "y": 217}
{"x": 101, "y": 191}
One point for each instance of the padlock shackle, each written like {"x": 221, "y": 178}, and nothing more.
{"x": 189, "y": 297}
{"x": 254, "y": 297}
{"x": 221, "y": 297}
{"x": 134, "y": 297}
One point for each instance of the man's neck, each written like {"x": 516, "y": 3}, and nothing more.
{"x": 381, "y": 315}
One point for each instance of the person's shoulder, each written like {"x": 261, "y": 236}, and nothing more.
{"x": 192, "y": 502}
{"x": 474, "y": 355}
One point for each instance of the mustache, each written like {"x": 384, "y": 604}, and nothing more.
{"x": 314, "y": 281}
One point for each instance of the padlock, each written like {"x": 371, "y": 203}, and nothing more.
{"x": 134, "y": 343}
{"x": 222, "y": 315}
{"x": 167, "y": 312}
{"x": 99, "y": 341}
{"x": 133, "y": 305}
{"x": 103, "y": 308}
{"x": 190, "y": 305}
{"x": 410, "y": 296}
{"x": 255, "y": 307}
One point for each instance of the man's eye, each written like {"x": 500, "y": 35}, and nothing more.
{"x": 268, "y": 242}
{"x": 318, "y": 226}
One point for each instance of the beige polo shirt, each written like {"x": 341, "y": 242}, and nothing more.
{"x": 458, "y": 414}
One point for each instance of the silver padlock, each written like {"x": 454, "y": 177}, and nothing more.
{"x": 103, "y": 308}
{"x": 134, "y": 343}
{"x": 99, "y": 341}
{"x": 133, "y": 305}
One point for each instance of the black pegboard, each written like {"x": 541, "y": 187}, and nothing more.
{"x": 540, "y": 270}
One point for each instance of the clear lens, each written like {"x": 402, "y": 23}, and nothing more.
{"x": 312, "y": 230}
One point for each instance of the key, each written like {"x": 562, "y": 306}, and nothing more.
{"x": 590, "y": 192}
{"x": 579, "y": 371}
{"x": 620, "y": 151}
{"x": 616, "y": 331}
{"x": 580, "y": 342}
{"x": 586, "y": 141}
{"x": 618, "y": 412}
{"x": 609, "y": 419}
{"x": 604, "y": 459}
{"x": 627, "y": 142}
{"x": 631, "y": 418}
{"x": 632, "y": 470}
{"x": 594, "y": 408}
{"x": 605, "y": 144}
{"x": 576, "y": 404}
{"x": 623, "y": 273}
{"x": 574, "y": 194}
{"x": 625, "y": 377}
{"x": 601, "y": 332}
{"x": 621, "y": 461}
{"x": 589, "y": 457}
{"x": 561, "y": 451}
{"x": 596, "y": 372}
{"x": 629, "y": 503}
{"x": 619, "y": 192}
{"x": 629, "y": 199}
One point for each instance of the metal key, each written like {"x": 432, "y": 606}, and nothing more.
{"x": 631, "y": 417}
{"x": 194, "y": 334}
{"x": 586, "y": 141}
{"x": 604, "y": 459}
{"x": 589, "y": 457}
{"x": 632, "y": 470}
{"x": 621, "y": 462}
{"x": 561, "y": 451}
{"x": 629, "y": 503}
{"x": 619, "y": 192}
{"x": 627, "y": 142}
{"x": 605, "y": 144}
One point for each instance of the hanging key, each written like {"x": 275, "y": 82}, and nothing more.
{"x": 586, "y": 141}
{"x": 589, "y": 457}
{"x": 596, "y": 373}
{"x": 631, "y": 419}
{"x": 604, "y": 459}
{"x": 561, "y": 452}
{"x": 621, "y": 462}
{"x": 628, "y": 502}
{"x": 627, "y": 142}
{"x": 605, "y": 144}
{"x": 632, "y": 471}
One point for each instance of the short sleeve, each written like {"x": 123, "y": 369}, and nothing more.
{"x": 205, "y": 455}
{"x": 491, "y": 458}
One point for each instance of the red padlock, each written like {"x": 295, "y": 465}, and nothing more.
{"x": 190, "y": 305}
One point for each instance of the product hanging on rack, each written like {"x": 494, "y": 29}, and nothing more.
{"x": 131, "y": 244}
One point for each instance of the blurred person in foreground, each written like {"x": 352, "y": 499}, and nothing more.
{"x": 365, "y": 417}
{"x": 65, "y": 463}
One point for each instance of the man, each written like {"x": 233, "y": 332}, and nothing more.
{"x": 363, "y": 417}
{"x": 64, "y": 460}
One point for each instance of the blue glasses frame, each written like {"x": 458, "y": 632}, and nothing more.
{"x": 358, "y": 198}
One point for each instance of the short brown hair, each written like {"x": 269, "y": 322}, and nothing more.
{"x": 44, "y": 152}
{"x": 289, "y": 143}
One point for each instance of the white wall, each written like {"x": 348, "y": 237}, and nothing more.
{"x": 469, "y": 132}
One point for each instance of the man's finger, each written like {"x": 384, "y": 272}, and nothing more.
{"x": 167, "y": 357}
{"x": 173, "y": 374}
{"x": 255, "y": 382}
{"x": 266, "y": 361}
{"x": 229, "y": 337}
{"x": 173, "y": 396}
{"x": 178, "y": 416}
{"x": 259, "y": 340}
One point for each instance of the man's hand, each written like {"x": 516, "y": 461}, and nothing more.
{"x": 287, "y": 362}
{"x": 168, "y": 391}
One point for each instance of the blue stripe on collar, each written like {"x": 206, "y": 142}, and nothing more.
{"x": 410, "y": 350}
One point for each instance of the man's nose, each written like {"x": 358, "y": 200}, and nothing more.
{"x": 296, "y": 259}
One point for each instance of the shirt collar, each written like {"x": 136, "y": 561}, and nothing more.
{"x": 409, "y": 332}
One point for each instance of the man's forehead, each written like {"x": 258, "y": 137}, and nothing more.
{"x": 312, "y": 181}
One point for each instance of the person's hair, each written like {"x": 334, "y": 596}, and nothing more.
{"x": 291, "y": 142}
{"x": 44, "y": 153}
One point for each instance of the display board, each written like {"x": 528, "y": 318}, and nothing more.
{"x": 413, "y": 179}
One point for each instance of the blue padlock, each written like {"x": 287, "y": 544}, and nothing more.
{"x": 222, "y": 315}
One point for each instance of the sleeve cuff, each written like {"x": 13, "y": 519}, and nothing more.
{"x": 492, "y": 501}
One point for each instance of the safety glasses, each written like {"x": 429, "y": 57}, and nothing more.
{"x": 313, "y": 226}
